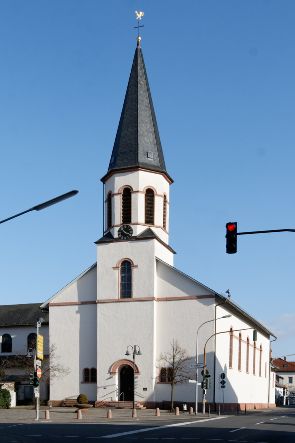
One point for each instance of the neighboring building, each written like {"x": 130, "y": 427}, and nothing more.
{"x": 285, "y": 370}
{"x": 18, "y": 343}
{"x": 133, "y": 295}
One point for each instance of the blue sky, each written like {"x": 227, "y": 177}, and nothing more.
{"x": 222, "y": 80}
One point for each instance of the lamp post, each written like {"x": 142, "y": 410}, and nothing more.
{"x": 44, "y": 205}
{"x": 204, "y": 354}
{"x": 135, "y": 351}
{"x": 197, "y": 356}
{"x": 36, "y": 388}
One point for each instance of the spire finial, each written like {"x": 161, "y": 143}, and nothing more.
{"x": 139, "y": 15}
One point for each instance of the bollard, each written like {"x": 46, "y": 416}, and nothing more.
{"x": 79, "y": 414}
{"x": 219, "y": 409}
{"x": 158, "y": 412}
{"x": 191, "y": 410}
{"x": 109, "y": 413}
{"x": 47, "y": 414}
{"x": 209, "y": 410}
{"x": 245, "y": 409}
{"x": 177, "y": 410}
{"x": 134, "y": 413}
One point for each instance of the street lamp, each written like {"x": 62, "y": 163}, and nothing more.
{"x": 44, "y": 205}
{"x": 197, "y": 356}
{"x": 135, "y": 351}
{"x": 36, "y": 365}
{"x": 204, "y": 354}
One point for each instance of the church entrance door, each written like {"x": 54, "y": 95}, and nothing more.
{"x": 126, "y": 383}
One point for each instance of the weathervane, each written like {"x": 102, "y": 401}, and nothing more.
{"x": 139, "y": 15}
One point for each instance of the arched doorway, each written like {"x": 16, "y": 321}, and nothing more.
{"x": 126, "y": 383}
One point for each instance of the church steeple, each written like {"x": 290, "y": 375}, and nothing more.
{"x": 137, "y": 143}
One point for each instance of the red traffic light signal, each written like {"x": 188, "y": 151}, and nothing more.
{"x": 231, "y": 237}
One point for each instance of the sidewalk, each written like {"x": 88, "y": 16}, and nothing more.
{"x": 93, "y": 415}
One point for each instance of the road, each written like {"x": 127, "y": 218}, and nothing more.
{"x": 260, "y": 427}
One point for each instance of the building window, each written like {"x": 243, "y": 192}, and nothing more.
{"x": 290, "y": 380}
{"x": 125, "y": 279}
{"x": 6, "y": 345}
{"x": 149, "y": 206}
{"x": 165, "y": 212}
{"x": 126, "y": 205}
{"x": 260, "y": 361}
{"x": 31, "y": 342}
{"x": 231, "y": 344}
{"x": 247, "y": 355}
{"x": 109, "y": 211}
{"x": 254, "y": 359}
{"x": 86, "y": 375}
{"x": 166, "y": 375}
{"x": 240, "y": 353}
{"x": 93, "y": 375}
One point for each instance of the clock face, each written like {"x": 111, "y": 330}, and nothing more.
{"x": 125, "y": 232}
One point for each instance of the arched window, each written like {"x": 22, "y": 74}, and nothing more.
{"x": 240, "y": 353}
{"x": 31, "y": 341}
{"x": 260, "y": 361}
{"x": 254, "y": 358}
{"x": 93, "y": 375}
{"x": 247, "y": 355}
{"x": 126, "y": 205}
{"x": 231, "y": 344}
{"x": 125, "y": 279}
{"x": 149, "y": 206}
{"x": 165, "y": 212}
{"x": 109, "y": 210}
{"x": 6, "y": 345}
{"x": 86, "y": 375}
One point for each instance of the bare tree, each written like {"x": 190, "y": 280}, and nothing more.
{"x": 51, "y": 366}
{"x": 175, "y": 370}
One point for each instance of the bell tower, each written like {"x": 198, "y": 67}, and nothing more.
{"x": 136, "y": 185}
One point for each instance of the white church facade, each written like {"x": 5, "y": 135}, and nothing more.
{"x": 134, "y": 298}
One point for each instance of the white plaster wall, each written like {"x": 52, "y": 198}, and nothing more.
{"x": 180, "y": 320}
{"x": 119, "y": 325}
{"x": 19, "y": 337}
{"x": 110, "y": 255}
{"x": 139, "y": 181}
{"x": 73, "y": 333}
{"x": 241, "y": 387}
{"x": 171, "y": 283}
{"x": 82, "y": 288}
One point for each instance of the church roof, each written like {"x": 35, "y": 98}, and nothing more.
{"x": 137, "y": 143}
{"x": 21, "y": 315}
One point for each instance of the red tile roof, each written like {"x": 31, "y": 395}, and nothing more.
{"x": 283, "y": 365}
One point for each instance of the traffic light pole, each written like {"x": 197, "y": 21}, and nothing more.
{"x": 37, "y": 389}
{"x": 265, "y": 232}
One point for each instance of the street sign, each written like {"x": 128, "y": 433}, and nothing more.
{"x": 38, "y": 362}
{"x": 196, "y": 366}
{"x": 36, "y": 392}
{"x": 192, "y": 381}
{"x": 39, "y": 372}
{"x": 40, "y": 347}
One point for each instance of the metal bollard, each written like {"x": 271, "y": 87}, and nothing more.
{"x": 191, "y": 410}
{"x": 134, "y": 413}
{"x": 177, "y": 410}
{"x": 158, "y": 412}
{"x": 47, "y": 414}
{"x": 109, "y": 413}
{"x": 209, "y": 410}
{"x": 219, "y": 409}
{"x": 79, "y": 414}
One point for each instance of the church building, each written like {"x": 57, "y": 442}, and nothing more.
{"x": 113, "y": 324}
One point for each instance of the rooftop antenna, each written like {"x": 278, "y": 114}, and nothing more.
{"x": 139, "y": 15}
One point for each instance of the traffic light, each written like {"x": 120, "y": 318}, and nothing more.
{"x": 35, "y": 380}
{"x": 31, "y": 378}
{"x": 231, "y": 237}
{"x": 222, "y": 380}
{"x": 206, "y": 376}
{"x": 254, "y": 335}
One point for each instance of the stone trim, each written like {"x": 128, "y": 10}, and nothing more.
{"x": 124, "y": 362}
{"x": 132, "y": 300}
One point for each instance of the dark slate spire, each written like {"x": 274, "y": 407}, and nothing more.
{"x": 137, "y": 143}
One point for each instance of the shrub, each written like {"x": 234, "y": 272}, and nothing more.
{"x": 5, "y": 399}
{"x": 82, "y": 399}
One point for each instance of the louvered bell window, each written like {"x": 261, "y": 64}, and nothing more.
{"x": 149, "y": 207}
{"x": 126, "y": 206}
